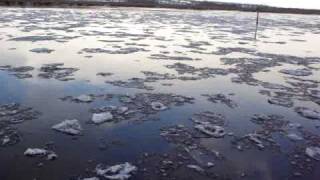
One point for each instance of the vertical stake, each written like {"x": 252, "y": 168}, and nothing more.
{"x": 257, "y": 24}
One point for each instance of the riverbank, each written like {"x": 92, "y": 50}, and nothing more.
{"x": 199, "y": 5}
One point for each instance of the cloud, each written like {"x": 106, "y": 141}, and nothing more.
{"x": 310, "y": 4}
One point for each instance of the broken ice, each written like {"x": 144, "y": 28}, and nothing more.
{"x": 195, "y": 167}
{"x": 308, "y": 113}
{"x": 32, "y": 152}
{"x": 84, "y": 98}
{"x": 35, "y": 152}
{"x": 211, "y": 130}
{"x": 71, "y": 127}
{"x": 313, "y": 152}
{"x": 158, "y": 106}
{"x": 117, "y": 172}
{"x": 99, "y": 118}
{"x": 294, "y": 137}
{"x": 296, "y": 72}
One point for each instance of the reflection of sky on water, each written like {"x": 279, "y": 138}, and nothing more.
{"x": 136, "y": 138}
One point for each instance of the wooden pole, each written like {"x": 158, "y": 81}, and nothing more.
{"x": 257, "y": 24}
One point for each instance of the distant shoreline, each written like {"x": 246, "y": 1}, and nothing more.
{"x": 198, "y": 5}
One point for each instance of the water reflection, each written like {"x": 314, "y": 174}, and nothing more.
{"x": 124, "y": 42}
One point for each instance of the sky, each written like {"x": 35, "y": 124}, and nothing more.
{"x": 309, "y": 4}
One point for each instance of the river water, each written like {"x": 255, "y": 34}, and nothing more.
{"x": 169, "y": 78}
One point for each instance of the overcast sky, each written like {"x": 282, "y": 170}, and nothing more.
{"x": 313, "y": 4}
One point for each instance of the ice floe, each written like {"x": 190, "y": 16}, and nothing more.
{"x": 35, "y": 152}
{"x": 297, "y": 72}
{"x": 116, "y": 172}
{"x": 38, "y": 152}
{"x": 308, "y": 112}
{"x": 84, "y": 98}
{"x": 281, "y": 102}
{"x": 71, "y": 127}
{"x": 158, "y": 106}
{"x": 294, "y": 137}
{"x": 313, "y": 152}
{"x": 98, "y": 118}
{"x": 211, "y": 130}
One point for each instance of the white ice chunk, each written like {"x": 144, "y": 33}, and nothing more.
{"x": 35, "y": 152}
{"x": 158, "y": 106}
{"x": 122, "y": 109}
{"x": 52, "y": 156}
{"x": 294, "y": 137}
{"x": 195, "y": 167}
{"x": 6, "y": 140}
{"x": 211, "y": 130}
{"x": 308, "y": 113}
{"x": 91, "y": 178}
{"x": 99, "y": 118}
{"x": 84, "y": 98}
{"x": 71, "y": 127}
{"x": 117, "y": 172}
{"x": 313, "y": 152}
